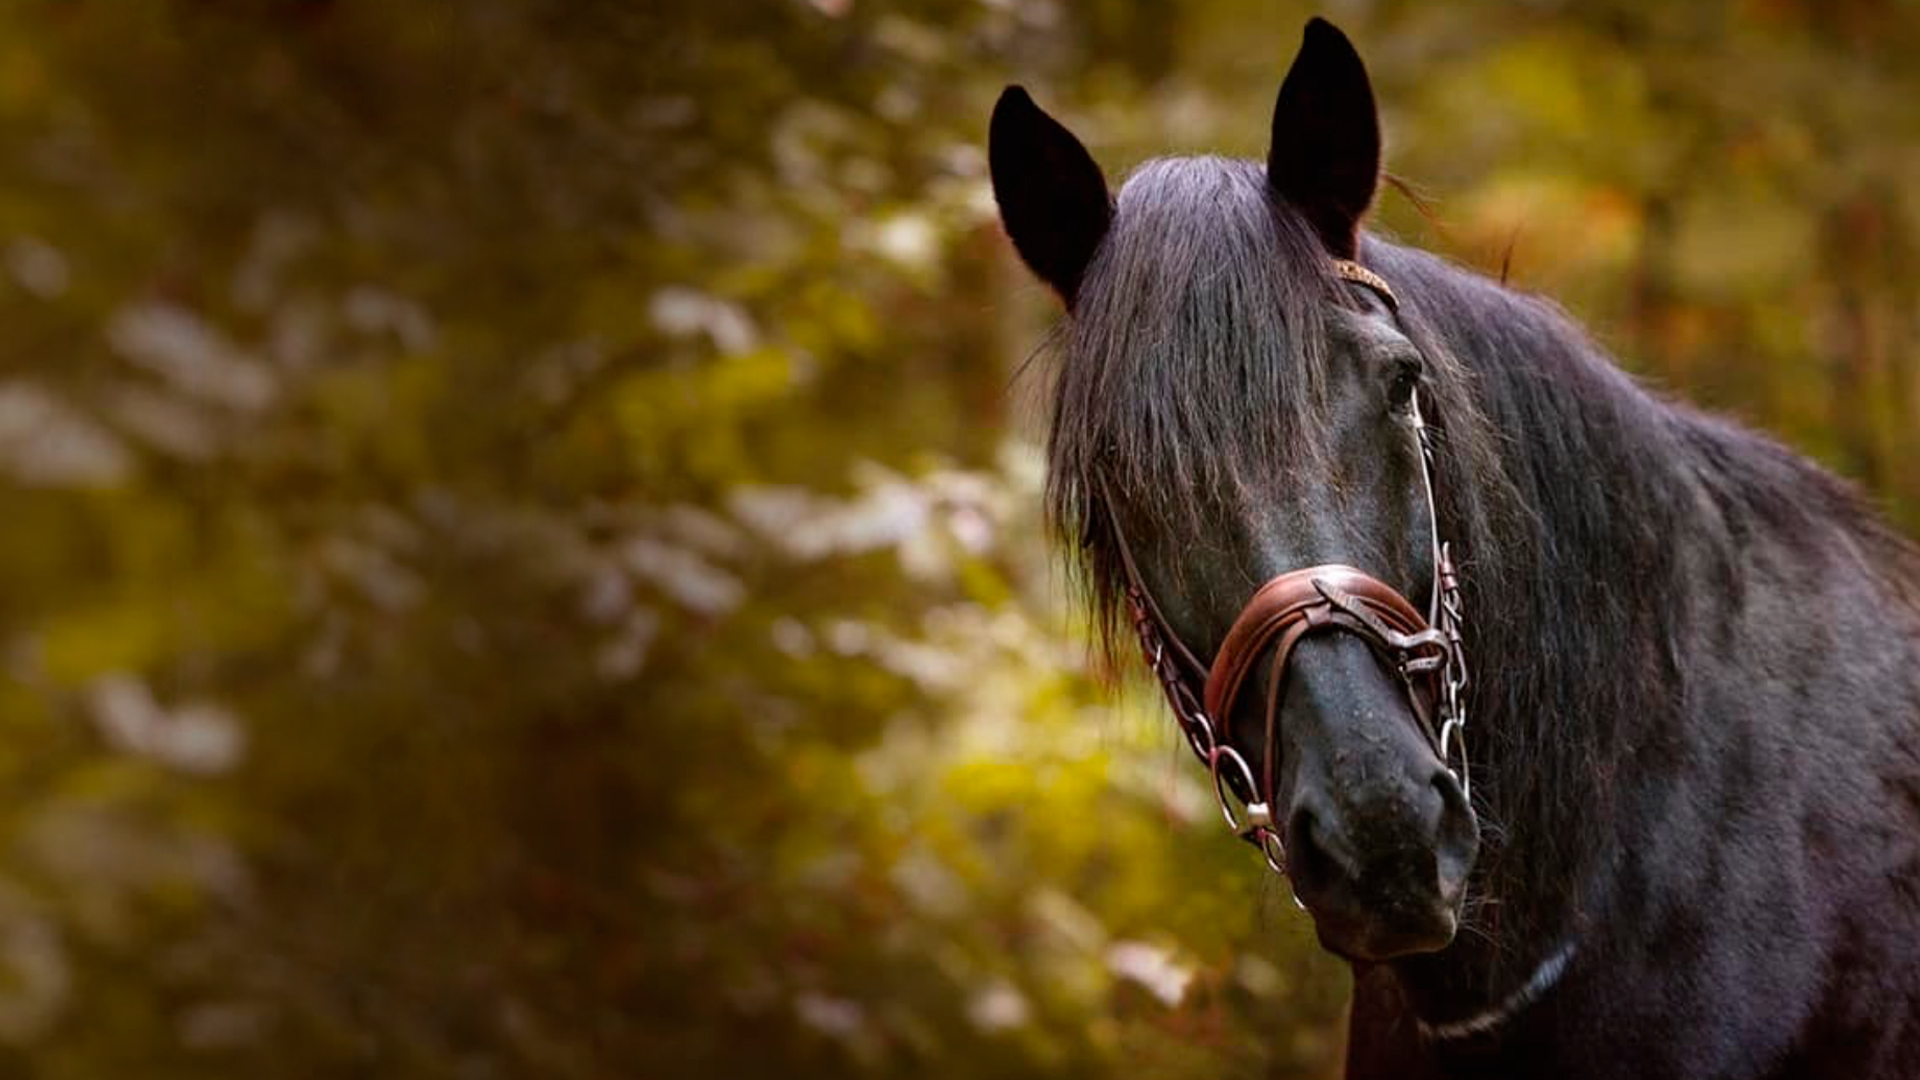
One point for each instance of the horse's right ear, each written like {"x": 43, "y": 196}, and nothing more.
{"x": 1053, "y": 200}
{"x": 1325, "y": 155}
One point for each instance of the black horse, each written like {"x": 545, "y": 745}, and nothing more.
{"x": 1695, "y": 822}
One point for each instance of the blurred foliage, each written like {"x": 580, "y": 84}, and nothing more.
{"x": 520, "y": 549}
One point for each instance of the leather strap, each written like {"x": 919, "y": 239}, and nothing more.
{"x": 1300, "y": 596}
{"x": 1348, "y": 270}
{"x": 1315, "y": 599}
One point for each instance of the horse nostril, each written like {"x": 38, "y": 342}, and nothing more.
{"x": 1456, "y": 835}
{"x": 1448, "y": 785}
{"x": 1316, "y": 860}
{"x": 1306, "y": 862}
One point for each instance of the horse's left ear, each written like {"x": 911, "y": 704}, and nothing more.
{"x": 1325, "y": 156}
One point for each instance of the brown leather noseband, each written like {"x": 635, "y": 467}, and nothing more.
{"x": 1333, "y": 597}
{"x": 1426, "y": 653}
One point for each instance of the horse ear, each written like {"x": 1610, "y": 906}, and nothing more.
{"x": 1325, "y": 156}
{"x": 1053, "y": 200}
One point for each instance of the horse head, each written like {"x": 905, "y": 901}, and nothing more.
{"x": 1237, "y": 425}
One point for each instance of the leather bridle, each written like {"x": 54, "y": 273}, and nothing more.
{"x": 1426, "y": 653}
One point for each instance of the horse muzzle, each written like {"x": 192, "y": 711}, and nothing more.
{"x": 1378, "y": 833}
{"x": 1381, "y": 861}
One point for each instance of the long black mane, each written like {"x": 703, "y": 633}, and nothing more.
{"x": 1586, "y": 510}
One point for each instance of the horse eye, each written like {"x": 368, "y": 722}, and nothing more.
{"x": 1406, "y": 376}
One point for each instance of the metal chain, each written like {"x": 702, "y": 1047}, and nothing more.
{"x": 1447, "y": 614}
{"x": 1254, "y": 821}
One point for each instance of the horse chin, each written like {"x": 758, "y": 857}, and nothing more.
{"x": 1372, "y": 941}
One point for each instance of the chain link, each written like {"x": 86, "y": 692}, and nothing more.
{"x": 1253, "y": 821}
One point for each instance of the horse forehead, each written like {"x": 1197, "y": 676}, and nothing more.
{"x": 1357, "y": 329}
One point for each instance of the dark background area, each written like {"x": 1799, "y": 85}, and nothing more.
{"x": 519, "y": 539}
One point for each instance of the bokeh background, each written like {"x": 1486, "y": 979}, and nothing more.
{"x": 519, "y": 539}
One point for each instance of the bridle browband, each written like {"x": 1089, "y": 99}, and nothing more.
{"x": 1427, "y": 653}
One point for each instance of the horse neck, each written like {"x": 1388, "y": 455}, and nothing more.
{"x": 1650, "y": 550}
{"x": 1578, "y": 592}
